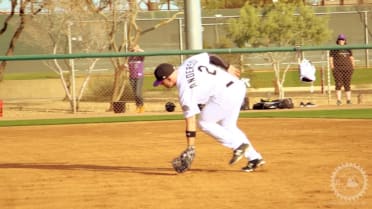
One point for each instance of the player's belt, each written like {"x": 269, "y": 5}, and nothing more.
{"x": 229, "y": 84}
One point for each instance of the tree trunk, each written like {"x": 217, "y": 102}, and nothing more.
{"x": 276, "y": 86}
{"x": 2, "y": 70}
{"x": 14, "y": 39}
{"x": 118, "y": 86}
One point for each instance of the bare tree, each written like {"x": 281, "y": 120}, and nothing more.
{"x": 115, "y": 29}
{"x": 62, "y": 22}
{"x": 113, "y": 13}
{"x": 25, "y": 9}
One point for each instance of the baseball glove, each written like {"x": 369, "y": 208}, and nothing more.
{"x": 183, "y": 162}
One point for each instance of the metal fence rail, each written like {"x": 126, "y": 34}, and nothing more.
{"x": 181, "y": 52}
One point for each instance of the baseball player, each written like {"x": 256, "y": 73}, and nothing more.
{"x": 205, "y": 79}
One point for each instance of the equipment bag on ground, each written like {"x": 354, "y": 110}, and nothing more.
{"x": 274, "y": 104}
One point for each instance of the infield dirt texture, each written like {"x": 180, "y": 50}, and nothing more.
{"x": 127, "y": 165}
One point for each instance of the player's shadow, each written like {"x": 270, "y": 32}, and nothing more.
{"x": 89, "y": 167}
{"x": 104, "y": 168}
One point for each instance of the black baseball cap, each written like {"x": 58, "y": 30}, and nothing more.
{"x": 162, "y": 72}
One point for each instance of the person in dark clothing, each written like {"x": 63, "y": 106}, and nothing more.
{"x": 136, "y": 76}
{"x": 342, "y": 65}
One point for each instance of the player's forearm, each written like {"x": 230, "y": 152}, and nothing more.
{"x": 234, "y": 71}
{"x": 190, "y": 130}
{"x": 216, "y": 60}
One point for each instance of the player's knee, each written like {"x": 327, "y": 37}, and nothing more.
{"x": 204, "y": 125}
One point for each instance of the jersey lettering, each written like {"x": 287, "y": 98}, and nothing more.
{"x": 190, "y": 74}
{"x": 204, "y": 68}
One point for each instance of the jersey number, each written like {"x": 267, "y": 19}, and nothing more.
{"x": 205, "y": 69}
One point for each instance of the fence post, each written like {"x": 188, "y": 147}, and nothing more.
{"x": 72, "y": 64}
{"x": 366, "y": 34}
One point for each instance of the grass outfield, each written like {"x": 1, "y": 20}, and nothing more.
{"x": 259, "y": 79}
{"x": 337, "y": 114}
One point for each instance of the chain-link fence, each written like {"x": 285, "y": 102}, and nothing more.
{"x": 354, "y": 22}
{"x": 49, "y": 97}
{"x": 311, "y": 88}
{"x": 92, "y": 82}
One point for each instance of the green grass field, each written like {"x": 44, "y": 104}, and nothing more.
{"x": 262, "y": 79}
{"x": 336, "y": 114}
{"x": 259, "y": 79}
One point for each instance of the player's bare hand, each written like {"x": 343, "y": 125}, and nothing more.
{"x": 234, "y": 71}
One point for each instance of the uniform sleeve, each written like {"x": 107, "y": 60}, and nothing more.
{"x": 188, "y": 101}
{"x": 216, "y": 60}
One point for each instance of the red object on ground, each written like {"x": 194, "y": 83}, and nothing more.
{"x": 1, "y": 108}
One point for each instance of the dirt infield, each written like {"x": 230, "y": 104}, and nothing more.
{"x": 127, "y": 165}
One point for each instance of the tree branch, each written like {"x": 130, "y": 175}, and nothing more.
{"x": 9, "y": 17}
{"x": 162, "y": 23}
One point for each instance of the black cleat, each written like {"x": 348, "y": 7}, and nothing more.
{"x": 239, "y": 153}
{"x": 253, "y": 164}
